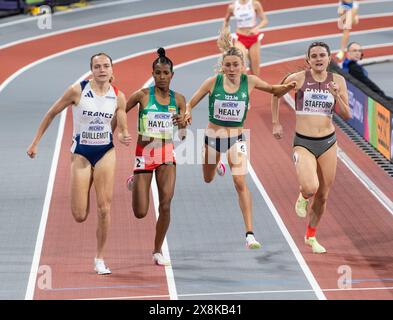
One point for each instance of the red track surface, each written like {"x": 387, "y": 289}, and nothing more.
{"x": 356, "y": 233}
{"x": 28, "y": 52}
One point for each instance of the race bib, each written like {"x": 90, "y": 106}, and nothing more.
{"x": 241, "y": 147}
{"x": 95, "y": 134}
{"x": 159, "y": 122}
{"x": 229, "y": 110}
{"x": 139, "y": 163}
{"x": 318, "y": 102}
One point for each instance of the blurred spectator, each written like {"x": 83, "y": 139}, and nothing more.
{"x": 351, "y": 65}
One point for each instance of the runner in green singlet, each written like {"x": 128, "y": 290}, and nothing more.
{"x": 229, "y": 92}
{"x": 155, "y": 151}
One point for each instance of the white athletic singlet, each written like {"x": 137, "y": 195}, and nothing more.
{"x": 245, "y": 14}
{"x": 93, "y": 115}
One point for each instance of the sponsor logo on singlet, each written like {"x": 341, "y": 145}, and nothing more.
{"x": 96, "y": 125}
{"x": 89, "y": 94}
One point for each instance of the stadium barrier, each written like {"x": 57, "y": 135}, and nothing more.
{"x": 372, "y": 115}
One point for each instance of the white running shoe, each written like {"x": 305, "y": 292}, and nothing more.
{"x": 130, "y": 182}
{"x": 251, "y": 243}
{"x": 100, "y": 267}
{"x": 159, "y": 259}
{"x": 221, "y": 169}
{"x": 301, "y": 206}
{"x": 340, "y": 55}
{"x": 313, "y": 243}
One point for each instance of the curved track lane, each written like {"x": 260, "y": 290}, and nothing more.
{"x": 67, "y": 246}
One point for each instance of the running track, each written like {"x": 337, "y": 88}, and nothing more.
{"x": 357, "y": 233}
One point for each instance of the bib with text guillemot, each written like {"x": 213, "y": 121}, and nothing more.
{"x": 155, "y": 120}
{"x": 93, "y": 115}
{"x": 314, "y": 98}
{"x": 229, "y": 109}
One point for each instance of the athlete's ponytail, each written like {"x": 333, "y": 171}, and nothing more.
{"x": 224, "y": 41}
{"x": 163, "y": 59}
{"x": 226, "y": 45}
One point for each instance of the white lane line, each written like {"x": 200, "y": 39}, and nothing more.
{"x": 91, "y": 25}
{"x": 74, "y": 49}
{"x": 295, "y": 250}
{"x": 114, "y": 3}
{"x": 128, "y": 37}
{"x": 170, "y": 278}
{"x": 366, "y": 181}
{"x": 207, "y": 294}
{"x": 45, "y": 211}
{"x": 102, "y": 23}
{"x": 380, "y": 59}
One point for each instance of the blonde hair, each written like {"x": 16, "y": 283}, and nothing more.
{"x": 226, "y": 45}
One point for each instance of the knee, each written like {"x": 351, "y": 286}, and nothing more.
{"x": 309, "y": 189}
{"x": 165, "y": 207}
{"x": 103, "y": 211}
{"x": 321, "y": 198}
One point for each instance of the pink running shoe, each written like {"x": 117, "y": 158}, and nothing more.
{"x": 130, "y": 182}
{"x": 221, "y": 169}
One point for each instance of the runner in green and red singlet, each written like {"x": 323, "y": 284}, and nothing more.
{"x": 155, "y": 150}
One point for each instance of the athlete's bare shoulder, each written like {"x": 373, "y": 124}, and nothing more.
{"x": 121, "y": 95}
{"x": 73, "y": 93}
{"x": 338, "y": 77}
{"x": 296, "y": 76}
{"x": 144, "y": 91}
{"x": 75, "y": 88}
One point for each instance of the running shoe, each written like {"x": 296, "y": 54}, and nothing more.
{"x": 130, "y": 182}
{"x": 251, "y": 243}
{"x": 100, "y": 267}
{"x": 313, "y": 243}
{"x": 159, "y": 259}
{"x": 221, "y": 169}
{"x": 340, "y": 55}
{"x": 301, "y": 206}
